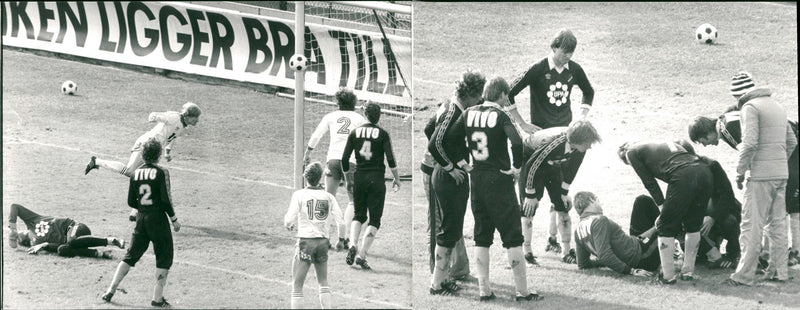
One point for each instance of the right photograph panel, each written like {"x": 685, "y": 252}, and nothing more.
{"x": 605, "y": 155}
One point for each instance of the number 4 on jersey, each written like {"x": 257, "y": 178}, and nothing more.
{"x": 366, "y": 150}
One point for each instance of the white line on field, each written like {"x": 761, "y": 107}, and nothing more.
{"x": 262, "y": 278}
{"x": 14, "y": 140}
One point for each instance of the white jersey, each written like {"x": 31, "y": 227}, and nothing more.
{"x": 313, "y": 210}
{"x": 168, "y": 128}
{"x": 339, "y": 123}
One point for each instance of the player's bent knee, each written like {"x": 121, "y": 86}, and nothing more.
{"x": 361, "y": 218}
{"x": 375, "y": 223}
{"x": 130, "y": 261}
{"x": 65, "y": 251}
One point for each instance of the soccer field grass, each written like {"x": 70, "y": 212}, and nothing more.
{"x": 651, "y": 78}
{"x": 231, "y": 182}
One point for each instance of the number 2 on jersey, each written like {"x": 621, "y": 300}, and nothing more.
{"x": 481, "y": 152}
{"x": 144, "y": 193}
{"x": 346, "y": 123}
{"x": 366, "y": 150}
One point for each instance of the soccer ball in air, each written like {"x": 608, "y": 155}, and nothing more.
{"x": 69, "y": 88}
{"x": 298, "y": 62}
{"x": 706, "y": 33}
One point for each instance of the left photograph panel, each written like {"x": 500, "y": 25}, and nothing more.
{"x": 246, "y": 154}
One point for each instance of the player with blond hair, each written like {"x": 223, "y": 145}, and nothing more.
{"x": 311, "y": 212}
{"x": 169, "y": 125}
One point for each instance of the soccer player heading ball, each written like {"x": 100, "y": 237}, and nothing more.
{"x": 311, "y": 211}
{"x": 169, "y": 125}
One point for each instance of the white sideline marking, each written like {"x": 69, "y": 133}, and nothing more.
{"x": 262, "y": 278}
{"x": 13, "y": 140}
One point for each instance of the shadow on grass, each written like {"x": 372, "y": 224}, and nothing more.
{"x": 709, "y": 281}
{"x": 272, "y": 241}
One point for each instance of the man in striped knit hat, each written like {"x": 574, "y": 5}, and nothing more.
{"x": 310, "y": 212}
{"x": 727, "y": 127}
{"x": 767, "y": 142}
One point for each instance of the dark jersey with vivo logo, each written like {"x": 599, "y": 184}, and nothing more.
{"x": 488, "y": 130}
{"x": 149, "y": 190}
{"x": 371, "y": 144}
{"x": 550, "y": 91}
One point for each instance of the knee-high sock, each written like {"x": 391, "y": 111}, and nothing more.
{"x": 366, "y": 243}
{"x": 355, "y": 231}
{"x": 764, "y": 243}
{"x": 112, "y": 165}
{"x": 325, "y": 297}
{"x": 161, "y": 281}
{"x": 553, "y": 222}
{"x": 441, "y": 267}
{"x": 348, "y": 217}
{"x": 565, "y": 231}
{"x": 794, "y": 226}
{"x": 296, "y": 301}
{"x": 527, "y": 231}
{"x": 122, "y": 271}
{"x": 666, "y": 248}
{"x": 517, "y": 263}
{"x": 690, "y": 253}
{"x": 482, "y": 254}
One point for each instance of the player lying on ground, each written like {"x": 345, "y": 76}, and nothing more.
{"x": 597, "y": 235}
{"x": 169, "y": 125}
{"x": 61, "y": 235}
{"x": 448, "y": 180}
{"x": 339, "y": 124}
{"x": 371, "y": 144}
{"x": 149, "y": 192}
{"x": 708, "y": 131}
{"x": 556, "y": 155}
{"x": 690, "y": 183}
{"x": 311, "y": 211}
{"x": 494, "y": 203}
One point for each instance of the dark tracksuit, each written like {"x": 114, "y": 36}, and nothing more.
{"x": 494, "y": 204}
{"x": 448, "y": 150}
{"x": 369, "y": 191}
{"x": 149, "y": 192}
{"x": 548, "y": 166}
{"x": 689, "y": 182}
{"x": 63, "y": 235}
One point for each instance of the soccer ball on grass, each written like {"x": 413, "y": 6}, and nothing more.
{"x": 707, "y": 34}
{"x": 298, "y": 62}
{"x": 69, "y": 88}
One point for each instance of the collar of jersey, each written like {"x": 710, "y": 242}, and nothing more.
{"x": 552, "y": 62}
{"x": 492, "y": 104}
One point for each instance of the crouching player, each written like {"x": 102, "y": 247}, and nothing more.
{"x": 557, "y": 153}
{"x": 311, "y": 211}
{"x": 64, "y": 236}
{"x": 369, "y": 190}
{"x": 598, "y": 235}
{"x": 149, "y": 192}
{"x": 494, "y": 203}
{"x": 690, "y": 184}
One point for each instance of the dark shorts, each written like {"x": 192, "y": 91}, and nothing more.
{"x": 688, "y": 191}
{"x": 151, "y": 227}
{"x": 313, "y": 250}
{"x": 369, "y": 195}
{"x": 547, "y": 177}
{"x": 792, "y": 192}
{"x": 78, "y": 230}
{"x": 452, "y": 199}
{"x": 495, "y": 206}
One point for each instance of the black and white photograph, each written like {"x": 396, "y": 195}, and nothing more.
{"x": 399, "y": 155}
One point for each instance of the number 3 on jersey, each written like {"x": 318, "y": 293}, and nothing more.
{"x": 481, "y": 140}
{"x": 366, "y": 150}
